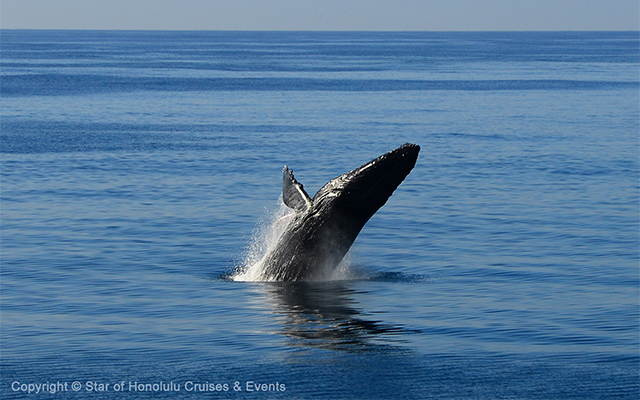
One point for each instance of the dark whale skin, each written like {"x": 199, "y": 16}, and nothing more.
{"x": 324, "y": 227}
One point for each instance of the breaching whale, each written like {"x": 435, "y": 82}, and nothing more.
{"x": 324, "y": 227}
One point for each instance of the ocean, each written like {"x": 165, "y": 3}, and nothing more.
{"x": 142, "y": 171}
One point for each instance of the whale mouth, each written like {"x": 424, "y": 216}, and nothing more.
{"x": 396, "y": 163}
{"x": 393, "y": 166}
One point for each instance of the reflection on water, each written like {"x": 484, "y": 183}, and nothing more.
{"x": 325, "y": 315}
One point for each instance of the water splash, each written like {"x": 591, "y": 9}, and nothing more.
{"x": 264, "y": 240}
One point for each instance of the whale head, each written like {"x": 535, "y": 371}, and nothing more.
{"x": 358, "y": 194}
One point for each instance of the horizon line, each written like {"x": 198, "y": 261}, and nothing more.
{"x": 310, "y": 30}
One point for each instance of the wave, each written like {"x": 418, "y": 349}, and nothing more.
{"x": 67, "y": 84}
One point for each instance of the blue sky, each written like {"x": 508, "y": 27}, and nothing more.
{"x": 427, "y": 15}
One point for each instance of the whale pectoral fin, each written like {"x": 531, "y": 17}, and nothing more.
{"x": 293, "y": 193}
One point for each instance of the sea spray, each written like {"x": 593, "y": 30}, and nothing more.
{"x": 266, "y": 237}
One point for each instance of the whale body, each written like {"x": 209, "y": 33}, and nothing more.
{"x": 324, "y": 227}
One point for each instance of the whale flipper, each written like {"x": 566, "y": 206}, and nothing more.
{"x": 293, "y": 193}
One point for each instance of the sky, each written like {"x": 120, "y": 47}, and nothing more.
{"x": 370, "y": 15}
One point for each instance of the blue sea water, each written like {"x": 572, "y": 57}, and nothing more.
{"x": 138, "y": 168}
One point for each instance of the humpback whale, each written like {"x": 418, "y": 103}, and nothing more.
{"x": 324, "y": 226}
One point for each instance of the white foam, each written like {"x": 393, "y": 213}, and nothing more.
{"x": 266, "y": 237}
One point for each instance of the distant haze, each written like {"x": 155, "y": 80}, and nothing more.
{"x": 370, "y": 15}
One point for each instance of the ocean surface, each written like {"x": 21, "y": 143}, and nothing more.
{"x": 140, "y": 170}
